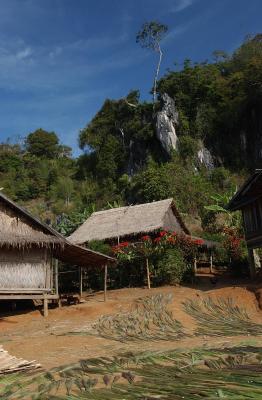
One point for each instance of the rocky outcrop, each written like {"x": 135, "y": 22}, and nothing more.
{"x": 166, "y": 120}
{"x": 205, "y": 158}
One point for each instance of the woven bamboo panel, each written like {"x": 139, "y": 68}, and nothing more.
{"x": 10, "y": 364}
{"x": 22, "y": 275}
{"x": 24, "y": 268}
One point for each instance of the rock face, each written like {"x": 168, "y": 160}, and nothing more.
{"x": 205, "y": 158}
{"x": 167, "y": 118}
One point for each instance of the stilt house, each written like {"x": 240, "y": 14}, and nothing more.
{"x": 130, "y": 222}
{"x": 248, "y": 199}
{"x": 28, "y": 253}
{"x": 118, "y": 223}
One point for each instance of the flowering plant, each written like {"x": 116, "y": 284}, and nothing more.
{"x": 149, "y": 245}
{"x": 233, "y": 242}
{"x": 124, "y": 251}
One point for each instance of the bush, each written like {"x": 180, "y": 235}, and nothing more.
{"x": 100, "y": 246}
{"x": 171, "y": 267}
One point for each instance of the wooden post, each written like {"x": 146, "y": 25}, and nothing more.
{"x": 148, "y": 274}
{"x": 211, "y": 263}
{"x": 195, "y": 265}
{"x": 56, "y": 276}
{"x": 80, "y": 282}
{"x": 105, "y": 283}
{"x": 45, "y": 305}
{"x": 252, "y": 263}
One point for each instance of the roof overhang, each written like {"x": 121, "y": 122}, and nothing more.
{"x": 243, "y": 195}
{"x": 81, "y": 256}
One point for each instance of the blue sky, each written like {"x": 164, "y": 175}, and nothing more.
{"x": 60, "y": 59}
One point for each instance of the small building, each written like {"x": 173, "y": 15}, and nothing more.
{"x": 29, "y": 250}
{"x": 130, "y": 221}
{"x": 248, "y": 199}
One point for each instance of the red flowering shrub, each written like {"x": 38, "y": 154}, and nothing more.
{"x": 156, "y": 245}
{"x": 198, "y": 242}
{"x": 145, "y": 238}
{"x": 124, "y": 244}
{"x": 233, "y": 242}
{"x": 168, "y": 253}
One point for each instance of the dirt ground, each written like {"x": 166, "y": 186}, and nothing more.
{"x": 31, "y": 336}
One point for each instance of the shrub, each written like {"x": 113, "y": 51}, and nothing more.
{"x": 170, "y": 267}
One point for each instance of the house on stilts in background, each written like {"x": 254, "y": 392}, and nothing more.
{"x": 132, "y": 221}
{"x": 248, "y": 199}
{"x": 129, "y": 222}
{"x": 29, "y": 251}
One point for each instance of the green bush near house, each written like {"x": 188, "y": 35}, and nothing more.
{"x": 171, "y": 268}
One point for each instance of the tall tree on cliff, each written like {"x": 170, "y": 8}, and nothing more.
{"x": 149, "y": 37}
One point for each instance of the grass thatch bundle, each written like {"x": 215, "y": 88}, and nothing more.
{"x": 221, "y": 317}
{"x": 230, "y": 373}
{"x": 149, "y": 319}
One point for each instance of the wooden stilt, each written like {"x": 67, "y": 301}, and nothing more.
{"x": 252, "y": 263}
{"x": 148, "y": 274}
{"x": 195, "y": 265}
{"x": 56, "y": 277}
{"x": 211, "y": 263}
{"x": 80, "y": 282}
{"x": 105, "y": 283}
{"x": 45, "y": 305}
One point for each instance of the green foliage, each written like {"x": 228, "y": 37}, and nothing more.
{"x": 171, "y": 267}
{"x": 151, "y": 34}
{"x": 190, "y": 189}
{"x": 100, "y": 246}
{"x": 43, "y": 144}
{"x": 68, "y": 224}
{"x": 187, "y": 147}
{"x": 118, "y": 139}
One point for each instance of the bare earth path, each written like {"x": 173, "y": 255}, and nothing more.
{"x": 32, "y": 337}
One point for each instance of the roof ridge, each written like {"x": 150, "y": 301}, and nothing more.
{"x": 130, "y": 206}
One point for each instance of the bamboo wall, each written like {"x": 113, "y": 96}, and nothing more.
{"x": 25, "y": 269}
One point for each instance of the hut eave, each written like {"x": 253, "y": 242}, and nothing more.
{"x": 13, "y": 241}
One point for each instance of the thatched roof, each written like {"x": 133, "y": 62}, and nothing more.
{"x": 132, "y": 220}
{"x": 20, "y": 229}
{"x": 248, "y": 192}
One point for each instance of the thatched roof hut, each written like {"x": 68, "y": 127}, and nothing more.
{"x": 19, "y": 229}
{"x": 248, "y": 200}
{"x": 132, "y": 220}
{"x": 27, "y": 250}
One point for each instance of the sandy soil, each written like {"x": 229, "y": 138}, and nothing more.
{"x": 33, "y": 337}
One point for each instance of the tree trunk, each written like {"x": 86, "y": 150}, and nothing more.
{"x": 156, "y": 74}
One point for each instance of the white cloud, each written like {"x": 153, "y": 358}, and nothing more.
{"x": 56, "y": 52}
{"x": 23, "y": 54}
{"x": 181, "y": 5}
{"x": 179, "y": 30}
